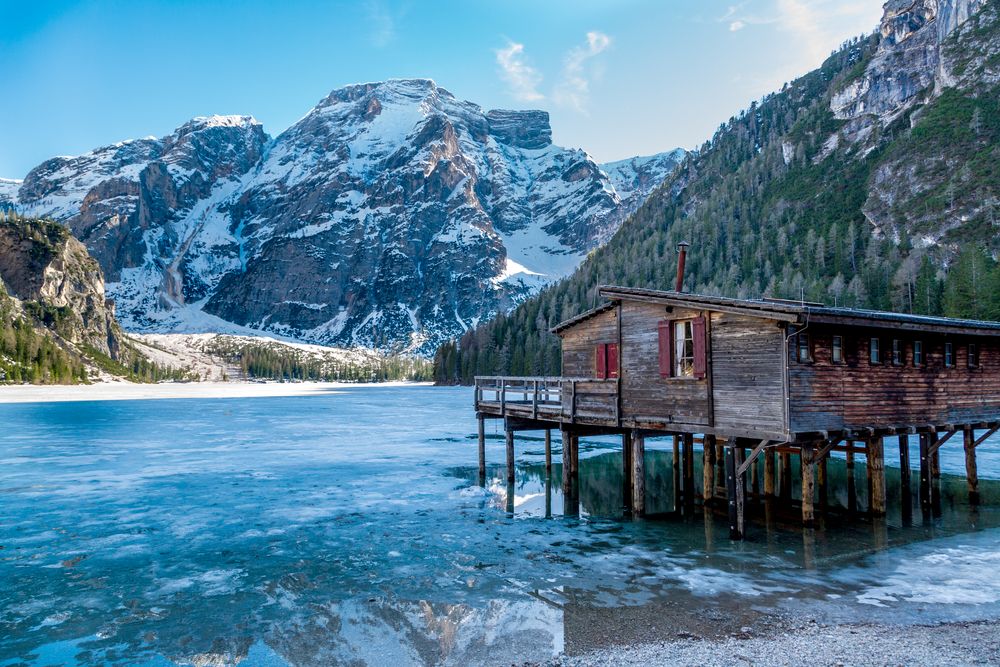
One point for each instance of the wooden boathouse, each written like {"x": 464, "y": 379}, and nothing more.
{"x": 757, "y": 377}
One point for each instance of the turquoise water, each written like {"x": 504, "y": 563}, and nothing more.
{"x": 349, "y": 527}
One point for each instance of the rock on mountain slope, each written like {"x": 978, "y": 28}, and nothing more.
{"x": 393, "y": 215}
{"x": 634, "y": 178}
{"x": 872, "y": 181}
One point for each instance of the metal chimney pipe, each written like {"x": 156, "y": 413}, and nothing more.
{"x": 682, "y": 249}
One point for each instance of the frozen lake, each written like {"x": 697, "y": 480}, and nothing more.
{"x": 347, "y": 526}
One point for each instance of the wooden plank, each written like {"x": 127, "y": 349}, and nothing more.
{"x": 638, "y": 474}
{"x": 753, "y": 456}
{"x": 735, "y": 532}
{"x": 942, "y": 440}
{"x": 548, "y": 452}
{"x": 876, "y": 476}
{"x": 808, "y": 485}
{"x": 510, "y": 455}
{"x": 567, "y": 449}
{"x": 985, "y": 436}
{"x": 925, "y": 474}
{"x": 482, "y": 450}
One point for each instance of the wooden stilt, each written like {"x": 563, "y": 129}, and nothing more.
{"x": 708, "y": 470}
{"x": 852, "y": 492}
{"x": 510, "y": 495}
{"x": 574, "y": 461}
{"x": 905, "y": 494}
{"x": 548, "y": 496}
{"x": 925, "y": 474}
{"x": 720, "y": 463}
{"x": 808, "y": 484}
{"x": 638, "y": 473}
{"x": 688, "y": 470}
{"x": 755, "y": 479}
{"x": 627, "y": 471}
{"x": 936, "y": 482}
{"x": 786, "y": 475}
{"x": 676, "y": 469}
{"x": 740, "y": 492}
{"x": 510, "y": 455}
{"x": 971, "y": 472}
{"x": 735, "y": 533}
{"x": 548, "y": 452}
{"x": 482, "y": 451}
{"x": 769, "y": 473}
{"x": 821, "y": 482}
{"x": 567, "y": 454}
{"x": 876, "y": 477}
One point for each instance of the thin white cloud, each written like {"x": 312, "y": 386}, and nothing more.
{"x": 737, "y": 25}
{"x": 522, "y": 79}
{"x": 574, "y": 89}
{"x": 383, "y": 23}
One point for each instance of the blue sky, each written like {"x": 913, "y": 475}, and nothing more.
{"x": 619, "y": 78}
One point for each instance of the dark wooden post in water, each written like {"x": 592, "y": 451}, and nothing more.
{"x": 708, "y": 469}
{"x": 876, "y": 476}
{"x": 548, "y": 452}
{"x": 821, "y": 481}
{"x": 510, "y": 455}
{"x": 925, "y": 474}
{"x": 688, "y": 470}
{"x": 769, "y": 473}
{"x": 734, "y": 495}
{"x": 482, "y": 450}
{"x": 971, "y": 473}
{"x": 638, "y": 473}
{"x": 786, "y": 475}
{"x": 627, "y": 471}
{"x": 808, "y": 484}
{"x": 567, "y": 454}
{"x": 675, "y": 467}
{"x": 935, "y": 478}
{"x": 852, "y": 492}
{"x": 905, "y": 497}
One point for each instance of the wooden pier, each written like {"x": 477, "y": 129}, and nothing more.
{"x": 752, "y": 379}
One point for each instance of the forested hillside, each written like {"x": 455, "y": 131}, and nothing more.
{"x": 804, "y": 196}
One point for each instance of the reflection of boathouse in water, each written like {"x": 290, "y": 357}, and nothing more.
{"x": 757, "y": 378}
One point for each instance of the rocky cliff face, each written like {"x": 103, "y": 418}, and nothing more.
{"x": 56, "y": 281}
{"x": 393, "y": 215}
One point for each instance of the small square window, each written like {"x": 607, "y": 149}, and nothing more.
{"x": 918, "y": 353}
{"x": 838, "y": 349}
{"x": 973, "y": 355}
{"x": 804, "y": 349}
{"x": 949, "y": 355}
{"x": 875, "y": 351}
{"x": 897, "y": 352}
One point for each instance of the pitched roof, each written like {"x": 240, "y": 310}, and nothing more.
{"x": 799, "y": 312}
{"x": 585, "y": 315}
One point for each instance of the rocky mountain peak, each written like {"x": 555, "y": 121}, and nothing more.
{"x": 521, "y": 129}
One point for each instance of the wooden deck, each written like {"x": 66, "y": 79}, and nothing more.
{"x": 560, "y": 400}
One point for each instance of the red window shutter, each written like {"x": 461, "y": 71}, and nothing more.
{"x": 663, "y": 331}
{"x": 612, "y": 360}
{"x": 601, "y": 351}
{"x": 700, "y": 356}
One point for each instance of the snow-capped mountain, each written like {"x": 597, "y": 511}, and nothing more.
{"x": 393, "y": 215}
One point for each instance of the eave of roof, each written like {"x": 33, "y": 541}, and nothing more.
{"x": 586, "y": 315}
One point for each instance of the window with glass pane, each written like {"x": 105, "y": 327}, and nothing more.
{"x": 973, "y": 355}
{"x": 805, "y": 352}
{"x": 683, "y": 349}
{"x": 918, "y": 353}
{"x": 838, "y": 349}
{"x": 949, "y": 355}
{"x": 897, "y": 352}
{"x": 875, "y": 351}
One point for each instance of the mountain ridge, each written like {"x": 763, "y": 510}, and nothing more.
{"x": 456, "y": 213}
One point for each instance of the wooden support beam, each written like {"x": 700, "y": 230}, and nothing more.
{"x": 708, "y": 469}
{"x": 925, "y": 474}
{"x": 567, "y": 449}
{"x": 638, "y": 473}
{"x": 548, "y": 452}
{"x": 905, "y": 495}
{"x": 821, "y": 482}
{"x": 786, "y": 475}
{"x": 482, "y": 450}
{"x": 808, "y": 485}
{"x": 740, "y": 490}
{"x": 940, "y": 441}
{"x": 971, "y": 472}
{"x": 733, "y": 498}
{"x": 986, "y": 435}
{"x": 852, "y": 492}
{"x": 675, "y": 467}
{"x": 936, "y": 482}
{"x": 574, "y": 461}
{"x": 627, "y": 471}
{"x": 769, "y": 474}
{"x": 510, "y": 456}
{"x": 753, "y": 456}
{"x": 876, "y": 477}
{"x": 688, "y": 469}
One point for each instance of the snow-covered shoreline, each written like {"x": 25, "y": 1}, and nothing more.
{"x": 126, "y": 391}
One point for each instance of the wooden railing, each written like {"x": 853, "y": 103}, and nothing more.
{"x": 560, "y": 398}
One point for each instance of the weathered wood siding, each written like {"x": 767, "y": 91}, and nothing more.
{"x": 747, "y": 376}
{"x": 579, "y": 343}
{"x": 646, "y": 397}
{"x": 857, "y": 394}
